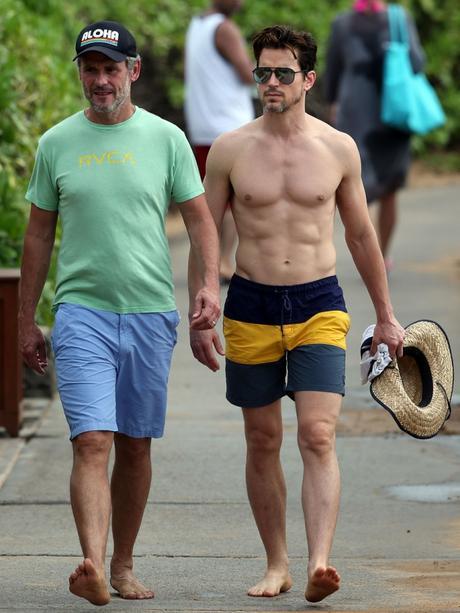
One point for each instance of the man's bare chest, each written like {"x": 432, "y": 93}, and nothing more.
{"x": 306, "y": 177}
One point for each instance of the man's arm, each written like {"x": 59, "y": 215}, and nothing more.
{"x": 38, "y": 246}
{"x": 205, "y": 343}
{"x": 230, "y": 45}
{"x": 363, "y": 244}
{"x": 204, "y": 301}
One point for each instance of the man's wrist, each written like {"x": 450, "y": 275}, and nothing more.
{"x": 384, "y": 314}
{"x": 26, "y": 317}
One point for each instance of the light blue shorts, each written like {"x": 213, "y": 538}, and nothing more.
{"x": 112, "y": 370}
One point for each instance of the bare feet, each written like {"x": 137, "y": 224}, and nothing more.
{"x": 126, "y": 584}
{"x": 272, "y": 584}
{"x": 321, "y": 583}
{"x": 87, "y": 583}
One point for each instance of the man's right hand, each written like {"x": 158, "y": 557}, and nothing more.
{"x": 32, "y": 347}
{"x": 205, "y": 344}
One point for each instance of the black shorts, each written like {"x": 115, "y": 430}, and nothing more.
{"x": 272, "y": 329}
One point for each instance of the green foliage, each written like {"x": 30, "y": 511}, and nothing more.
{"x": 40, "y": 86}
{"x": 438, "y": 24}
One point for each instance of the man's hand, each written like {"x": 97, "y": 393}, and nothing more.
{"x": 392, "y": 334}
{"x": 204, "y": 343}
{"x": 32, "y": 347}
{"x": 206, "y": 310}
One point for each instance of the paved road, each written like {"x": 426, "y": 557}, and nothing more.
{"x": 398, "y": 534}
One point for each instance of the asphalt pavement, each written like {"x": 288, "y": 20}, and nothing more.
{"x": 398, "y": 534}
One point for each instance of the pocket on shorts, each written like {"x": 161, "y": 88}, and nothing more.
{"x": 162, "y": 327}
{"x": 55, "y": 332}
{"x": 61, "y": 318}
{"x": 175, "y": 322}
{"x": 176, "y": 318}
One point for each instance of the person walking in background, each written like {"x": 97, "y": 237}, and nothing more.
{"x": 352, "y": 86}
{"x": 285, "y": 319}
{"x": 218, "y": 72}
{"x": 110, "y": 173}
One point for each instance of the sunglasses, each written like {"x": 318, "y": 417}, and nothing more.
{"x": 262, "y": 74}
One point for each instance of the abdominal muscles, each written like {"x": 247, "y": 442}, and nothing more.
{"x": 284, "y": 244}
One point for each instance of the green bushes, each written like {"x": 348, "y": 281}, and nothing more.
{"x": 438, "y": 24}
{"x": 39, "y": 84}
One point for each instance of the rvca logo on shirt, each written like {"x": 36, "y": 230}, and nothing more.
{"x": 108, "y": 157}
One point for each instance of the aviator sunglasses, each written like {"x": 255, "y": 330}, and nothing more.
{"x": 262, "y": 74}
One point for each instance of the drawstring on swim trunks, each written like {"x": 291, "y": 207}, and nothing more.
{"x": 286, "y": 307}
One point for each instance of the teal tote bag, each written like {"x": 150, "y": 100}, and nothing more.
{"x": 408, "y": 102}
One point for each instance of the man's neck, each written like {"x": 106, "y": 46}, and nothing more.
{"x": 285, "y": 124}
{"x": 124, "y": 112}
{"x": 213, "y": 10}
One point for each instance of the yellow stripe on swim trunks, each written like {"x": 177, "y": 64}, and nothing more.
{"x": 248, "y": 343}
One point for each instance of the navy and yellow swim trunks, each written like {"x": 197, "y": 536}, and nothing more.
{"x": 271, "y": 329}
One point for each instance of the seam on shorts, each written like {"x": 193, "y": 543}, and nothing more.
{"x": 149, "y": 434}
{"x": 92, "y": 426}
{"x": 251, "y": 405}
{"x": 335, "y": 389}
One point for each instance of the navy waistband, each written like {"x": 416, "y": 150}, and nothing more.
{"x": 238, "y": 281}
{"x": 258, "y": 303}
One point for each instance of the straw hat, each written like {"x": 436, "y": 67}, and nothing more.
{"x": 417, "y": 388}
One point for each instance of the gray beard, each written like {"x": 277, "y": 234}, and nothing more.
{"x": 107, "y": 110}
{"x": 281, "y": 107}
{"x": 112, "y": 108}
{"x": 270, "y": 108}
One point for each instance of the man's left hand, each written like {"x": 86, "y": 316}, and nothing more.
{"x": 205, "y": 344}
{"x": 206, "y": 310}
{"x": 392, "y": 334}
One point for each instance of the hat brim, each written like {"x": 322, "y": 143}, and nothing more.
{"x": 111, "y": 53}
{"x": 416, "y": 390}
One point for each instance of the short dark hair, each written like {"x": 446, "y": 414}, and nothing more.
{"x": 301, "y": 44}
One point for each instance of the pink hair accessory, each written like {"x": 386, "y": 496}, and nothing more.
{"x": 363, "y": 6}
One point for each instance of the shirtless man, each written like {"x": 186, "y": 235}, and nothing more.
{"x": 285, "y": 173}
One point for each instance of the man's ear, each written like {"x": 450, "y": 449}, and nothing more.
{"x": 310, "y": 78}
{"x": 136, "y": 71}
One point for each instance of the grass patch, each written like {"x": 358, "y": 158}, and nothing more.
{"x": 441, "y": 161}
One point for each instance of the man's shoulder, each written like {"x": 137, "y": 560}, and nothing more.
{"x": 160, "y": 125}
{"x": 230, "y": 145}
{"x": 238, "y": 136}
{"x": 61, "y": 129}
{"x": 207, "y": 20}
{"x": 332, "y": 138}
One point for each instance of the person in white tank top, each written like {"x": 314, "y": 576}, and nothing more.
{"x": 218, "y": 75}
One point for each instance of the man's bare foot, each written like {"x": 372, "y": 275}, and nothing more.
{"x": 321, "y": 583}
{"x": 87, "y": 583}
{"x": 126, "y": 584}
{"x": 272, "y": 584}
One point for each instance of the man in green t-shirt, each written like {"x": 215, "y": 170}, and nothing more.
{"x": 109, "y": 172}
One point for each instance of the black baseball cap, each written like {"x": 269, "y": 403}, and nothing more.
{"x": 107, "y": 37}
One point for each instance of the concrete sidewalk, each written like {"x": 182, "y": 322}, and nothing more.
{"x": 398, "y": 534}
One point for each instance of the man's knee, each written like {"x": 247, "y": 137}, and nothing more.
{"x": 92, "y": 446}
{"x": 318, "y": 438}
{"x": 132, "y": 449}
{"x": 263, "y": 441}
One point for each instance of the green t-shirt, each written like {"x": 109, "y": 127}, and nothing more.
{"x": 112, "y": 185}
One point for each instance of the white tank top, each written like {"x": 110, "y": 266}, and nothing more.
{"x": 216, "y": 100}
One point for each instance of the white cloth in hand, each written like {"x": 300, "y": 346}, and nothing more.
{"x": 372, "y": 365}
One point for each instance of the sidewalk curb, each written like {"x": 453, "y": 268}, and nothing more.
{"x": 35, "y": 410}
{"x": 9, "y": 456}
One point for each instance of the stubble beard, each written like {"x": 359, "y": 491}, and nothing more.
{"x": 120, "y": 99}
{"x": 282, "y": 106}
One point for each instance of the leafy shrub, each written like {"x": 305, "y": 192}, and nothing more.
{"x": 39, "y": 84}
